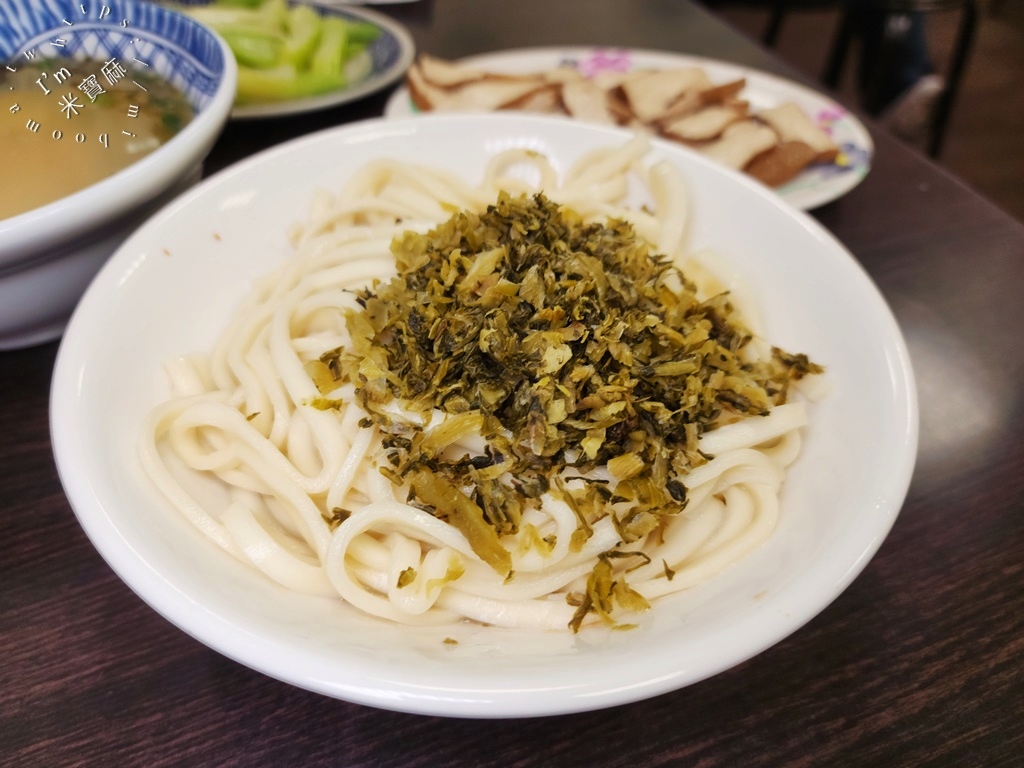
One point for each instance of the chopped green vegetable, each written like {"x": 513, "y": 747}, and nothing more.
{"x": 268, "y": 15}
{"x": 286, "y": 53}
{"x": 454, "y": 573}
{"x": 446, "y": 501}
{"x": 337, "y": 517}
{"x": 304, "y": 31}
{"x": 362, "y": 32}
{"x": 279, "y": 83}
{"x": 406, "y": 577}
{"x": 562, "y": 344}
{"x": 605, "y": 590}
{"x": 253, "y": 47}
{"x": 330, "y": 53}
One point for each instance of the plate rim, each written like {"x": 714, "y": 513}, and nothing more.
{"x": 807, "y": 198}
{"x": 372, "y": 84}
{"x": 65, "y": 383}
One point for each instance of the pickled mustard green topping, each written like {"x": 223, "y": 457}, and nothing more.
{"x": 566, "y": 346}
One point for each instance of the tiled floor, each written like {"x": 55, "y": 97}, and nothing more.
{"x": 984, "y": 143}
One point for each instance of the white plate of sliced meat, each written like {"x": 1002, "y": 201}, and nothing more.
{"x": 794, "y": 139}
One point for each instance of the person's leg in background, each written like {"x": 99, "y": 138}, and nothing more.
{"x": 896, "y": 78}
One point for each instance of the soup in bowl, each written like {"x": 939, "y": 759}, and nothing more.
{"x": 106, "y": 113}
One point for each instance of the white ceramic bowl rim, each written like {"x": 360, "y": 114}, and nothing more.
{"x": 481, "y": 689}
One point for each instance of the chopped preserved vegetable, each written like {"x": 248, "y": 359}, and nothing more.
{"x": 556, "y": 345}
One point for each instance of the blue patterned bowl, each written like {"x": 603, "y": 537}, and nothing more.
{"x": 48, "y": 255}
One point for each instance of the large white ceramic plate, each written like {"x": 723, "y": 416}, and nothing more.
{"x": 815, "y": 186}
{"x": 390, "y": 55}
{"x": 172, "y": 286}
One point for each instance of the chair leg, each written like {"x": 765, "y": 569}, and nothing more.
{"x": 878, "y": 89}
{"x": 944, "y": 106}
{"x": 837, "y": 53}
{"x": 771, "y": 32}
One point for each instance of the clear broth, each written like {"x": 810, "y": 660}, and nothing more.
{"x": 49, "y": 150}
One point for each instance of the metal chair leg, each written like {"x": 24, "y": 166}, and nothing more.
{"x": 878, "y": 89}
{"x": 771, "y": 32}
{"x": 944, "y": 106}
{"x": 840, "y": 47}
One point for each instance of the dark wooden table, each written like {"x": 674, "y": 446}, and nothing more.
{"x": 919, "y": 662}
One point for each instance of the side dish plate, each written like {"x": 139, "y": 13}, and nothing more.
{"x": 815, "y": 186}
{"x": 390, "y": 54}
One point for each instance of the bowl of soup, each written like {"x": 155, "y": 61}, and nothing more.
{"x": 107, "y": 111}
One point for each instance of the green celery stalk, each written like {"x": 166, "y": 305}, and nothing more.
{"x": 281, "y": 83}
{"x": 362, "y": 32}
{"x": 275, "y": 14}
{"x": 254, "y": 47}
{"x": 304, "y": 31}
{"x": 358, "y": 67}
{"x": 287, "y": 52}
{"x": 330, "y": 53}
{"x": 216, "y": 17}
{"x": 269, "y": 15}
{"x": 354, "y": 47}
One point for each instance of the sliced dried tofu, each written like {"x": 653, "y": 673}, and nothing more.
{"x": 682, "y": 103}
{"x": 563, "y": 75}
{"x": 723, "y": 92}
{"x": 693, "y": 101}
{"x": 685, "y": 104}
{"x": 610, "y": 79}
{"x": 781, "y": 163}
{"x": 619, "y": 108}
{"x": 705, "y": 124}
{"x": 446, "y": 74}
{"x": 478, "y": 96}
{"x": 740, "y": 143}
{"x": 495, "y": 94}
{"x": 588, "y": 102}
{"x": 544, "y": 100}
{"x": 422, "y": 93}
{"x": 793, "y": 124}
{"x": 652, "y": 93}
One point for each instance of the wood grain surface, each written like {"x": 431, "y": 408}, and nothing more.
{"x": 917, "y": 663}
